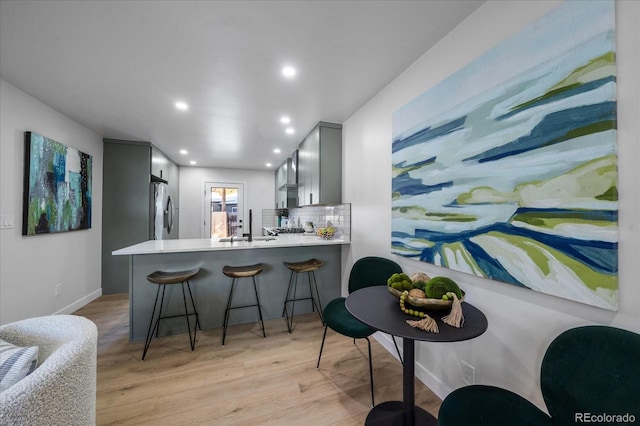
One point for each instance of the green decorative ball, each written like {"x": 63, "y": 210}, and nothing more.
{"x": 439, "y": 286}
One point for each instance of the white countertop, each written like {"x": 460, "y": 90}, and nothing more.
{"x": 212, "y": 244}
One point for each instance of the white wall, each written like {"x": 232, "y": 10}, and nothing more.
{"x": 259, "y": 193}
{"x": 30, "y": 267}
{"x": 521, "y": 323}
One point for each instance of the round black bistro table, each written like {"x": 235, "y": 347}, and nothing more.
{"x": 380, "y": 309}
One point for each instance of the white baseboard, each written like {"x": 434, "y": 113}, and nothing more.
{"x": 69, "y": 309}
{"x": 424, "y": 375}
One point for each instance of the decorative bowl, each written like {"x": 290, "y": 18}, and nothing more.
{"x": 326, "y": 233}
{"x": 433, "y": 304}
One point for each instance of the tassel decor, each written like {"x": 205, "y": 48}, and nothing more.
{"x": 455, "y": 317}
{"x": 426, "y": 324}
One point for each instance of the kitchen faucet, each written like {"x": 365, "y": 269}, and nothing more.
{"x": 250, "y": 234}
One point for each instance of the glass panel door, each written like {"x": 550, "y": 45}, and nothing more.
{"x": 223, "y": 210}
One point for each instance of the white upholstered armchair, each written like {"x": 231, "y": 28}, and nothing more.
{"x": 62, "y": 389}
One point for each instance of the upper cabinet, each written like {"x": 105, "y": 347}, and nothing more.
{"x": 287, "y": 183}
{"x": 320, "y": 166}
{"x": 162, "y": 166}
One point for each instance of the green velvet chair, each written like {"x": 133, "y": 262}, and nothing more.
{"x": 586, "y": 371}
{"x": 366, "y": 272}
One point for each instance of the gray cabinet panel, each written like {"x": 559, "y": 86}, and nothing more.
{"x": 286, "y": 185}
{"x": 127, "y": 203}
{"x": 330, "y": 165}
{"x": 125, "y": 209}
{"x": 320, "y": 165}
{"x": 280, "y": 183}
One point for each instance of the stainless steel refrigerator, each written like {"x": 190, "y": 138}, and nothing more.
{"x": 162, "y": 212}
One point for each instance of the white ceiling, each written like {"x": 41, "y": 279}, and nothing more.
{"x": 118, "y": 67}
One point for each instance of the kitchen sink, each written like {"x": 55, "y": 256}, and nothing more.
{"x": 228, "y": 239}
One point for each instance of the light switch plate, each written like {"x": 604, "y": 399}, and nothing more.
{"x": 6, "y": 221}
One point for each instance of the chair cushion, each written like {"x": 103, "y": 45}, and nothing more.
{"x": 481, "y": 405}
{"x": 337, "y": 318}
{"x": 371, "y": 270}
{"x": 16, "y": 363}
{"x": 592, "y": 369}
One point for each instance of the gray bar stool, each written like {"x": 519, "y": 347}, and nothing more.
{"x": 163, "y": 278}
{"x": 236, "y": 272}
{"x": 308, "y": 266}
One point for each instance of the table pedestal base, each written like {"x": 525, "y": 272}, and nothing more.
{"x": 390, "y": 414}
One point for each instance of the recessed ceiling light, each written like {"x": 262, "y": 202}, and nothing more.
{"x": 193, "y": 163}
{"x": 288, "y": 71}
{"x": 289, "y": 130}
{"x": 184, "y": 152}
{"x": 285, "y": 120}
{"x": 268, "y": 164}
{"x": 182, "y": 106}
{"x": 277, "y": 150}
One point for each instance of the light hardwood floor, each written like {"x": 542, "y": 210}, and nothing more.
{"x": 250, "y": 381}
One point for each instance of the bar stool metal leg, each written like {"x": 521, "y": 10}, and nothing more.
{"x": 147, "y": 340}
{"x": 162, "y": 279}
{"x": 312, "y": 274}
{"x": 227, "y": 311}
{"x": 255, "y": 289}
{"x": 156, "y": 327}
{"x": 195, "y": 310}
{"x": 286, "y": 298}
{"x": 186, "y": 315}
{"x": 294, "y": 284}
{"x": 314, "y": 295}
{"x": 236, "y": 272}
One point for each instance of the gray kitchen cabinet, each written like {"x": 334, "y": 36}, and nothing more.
{"x": 128, "y": 201}
{"x": 286, "y": 182}
{"x": 320, "y": 165}
{"x": 281, "y": 176}
{"x": 162, "y": 166}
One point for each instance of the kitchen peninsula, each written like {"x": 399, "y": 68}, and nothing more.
{"x": 211, "y": 288}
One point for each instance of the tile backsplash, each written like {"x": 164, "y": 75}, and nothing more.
{"x": 336, "y": 215}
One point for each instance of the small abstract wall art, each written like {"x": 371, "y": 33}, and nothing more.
{"x": 57, "y": 187}
{"x": 507, "y": 169}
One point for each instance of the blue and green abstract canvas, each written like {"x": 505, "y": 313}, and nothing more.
{"x": 507, "y": 169}
{"x": 57, "y": 187}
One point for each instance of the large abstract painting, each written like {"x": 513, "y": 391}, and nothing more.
{"x": 507, "y": 169}
{"x": 57, "y": 187}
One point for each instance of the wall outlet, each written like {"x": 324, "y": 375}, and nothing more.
{"x": 58, "y": 290}
{"x": 468, "y": 373}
